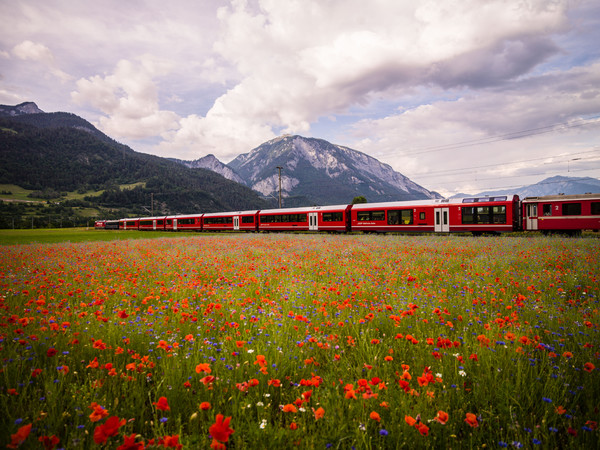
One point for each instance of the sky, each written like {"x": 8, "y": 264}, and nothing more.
{"x": 458, "y": 95}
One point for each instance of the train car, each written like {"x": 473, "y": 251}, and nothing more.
{"x": 287, "y": 219}
{"x": 99, "y": 224}
{"x": 189, "y": 222}
{"x": 230, "y": 221}
{"x": 568, "y": 214}
{"x": 129, "y": 224}
{"x": 152, "y": 223}
{"x": 475, "y": 215}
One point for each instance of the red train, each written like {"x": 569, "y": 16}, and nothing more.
{"x": 568, "y": 214}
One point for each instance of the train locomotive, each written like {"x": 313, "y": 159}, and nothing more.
{"x": 565, "y": 214}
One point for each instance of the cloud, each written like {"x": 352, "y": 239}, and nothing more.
{"x": 129, "y": 99}
{"x": 294, "y": 66}
{"x": 28, "y": 50}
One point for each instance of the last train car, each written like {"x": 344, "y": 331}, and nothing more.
{"x": 568, "y": 214}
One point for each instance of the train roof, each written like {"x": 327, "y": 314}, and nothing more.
{"x": 231, "y": 213}
{"x": 182, "y": 216}
{"x": 304, "y": 209}
{"x": 561, "y": 197}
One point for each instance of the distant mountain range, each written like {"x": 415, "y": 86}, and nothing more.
{"x": 314, "y": 171}
{"x": 549, "y": 186}
{"x": 56, "y": 152}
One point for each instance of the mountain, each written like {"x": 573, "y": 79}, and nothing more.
{"x": 210, "y": 162}
{"x": 550, "y": 186}
{"x": 314, "y": 171}
{"x": 57, "y": 153}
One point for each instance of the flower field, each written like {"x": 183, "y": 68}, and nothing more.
{"x": 301, "y": 341}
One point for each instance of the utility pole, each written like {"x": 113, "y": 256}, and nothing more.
{"x": 152, "y": 203}
{"x": 279, "y": 167}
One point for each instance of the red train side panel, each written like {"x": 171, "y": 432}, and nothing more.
{"x": 190, "y": 222}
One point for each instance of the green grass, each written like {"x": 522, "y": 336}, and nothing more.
{"x": 56, "y": 235}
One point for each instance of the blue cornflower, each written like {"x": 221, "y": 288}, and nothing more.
{"x": 547, "y": 400}
{"x": 536, "y": 441}
{"x": 383, "y": 432}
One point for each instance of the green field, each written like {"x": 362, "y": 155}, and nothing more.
{"x": 151, "y": 340}
{"x": 55, "y": 235}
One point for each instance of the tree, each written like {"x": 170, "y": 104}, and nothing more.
{"x": 359, "y": 199}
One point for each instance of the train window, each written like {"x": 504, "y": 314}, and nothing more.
{"x": 363, "y": 215}
{"x": 130, "y": 224}
{"x": 595, "y": 208}
{"x": 571, "y": 209}
{"x": 145, "y": 222}
{"x": 159, "y": 222}
{"x": 333, "y": 217}
{"x": 247, "y": 219}
{"x": 186, "y": 221}
{"x": 422, "y": 216}
{"x": 468, "y": 200}
{"x": 499, "y": 199}
{"x": 499, "y": 214}
{"x": 377, "y": 215}
{"x": 217, "y": 220}
{"x": 547, "y": 209}
{"x": 483, "y": 214}
{"x": 468, "y": 215}
{"x": 400, "y": 217}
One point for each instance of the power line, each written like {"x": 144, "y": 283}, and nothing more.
{"x": 467, "y": 169}
{"x": 503, "y": 137}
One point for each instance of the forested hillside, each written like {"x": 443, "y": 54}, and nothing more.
{"x": 57, "y": 154}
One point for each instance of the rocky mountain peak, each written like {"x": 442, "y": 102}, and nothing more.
{"x": 20, "y": 109}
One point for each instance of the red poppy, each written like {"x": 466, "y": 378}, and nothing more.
{"x": 19, "y": 437}
{"x": 109, "y": 428}
{"x": 204, "y": 406}
{"x": 130, "y": 444}
{"x": 203, "y": 367}
{"x": 49, "y": 442}
{"x": 375, "y": 416}
{"x": 220, "y": 429}
{"x": 472, "y": 420}
{"x": 162, "y": 404}
{"x": 289, "y": 408}
{"x": 319, "y": 413}
{"x": 442, "y": 417}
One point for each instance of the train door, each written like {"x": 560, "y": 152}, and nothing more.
{"x": 154, "y": 225}
{"x": 442, "y": 224}
{"x": 174, "y": 224}
{"x": 236, "y": 222}
{"x": 313, "y": 221}
{"x": 532, "y": 216}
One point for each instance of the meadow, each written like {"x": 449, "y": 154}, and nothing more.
{"x": 300, "y": 341}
